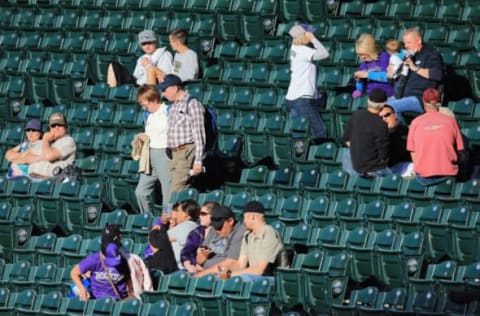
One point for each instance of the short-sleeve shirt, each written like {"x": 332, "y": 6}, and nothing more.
{"x": 224, "y": 247}
{"x": 185, "y": 65}
{"x": 180, "y": 234}
{"x": 161, "y": 58}
{"x": 66, "y": 147}
{"x": 100, "y": 285}
{"x": 266, "y": 246}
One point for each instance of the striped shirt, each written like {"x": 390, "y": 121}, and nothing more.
{"x": 186, "y": 125}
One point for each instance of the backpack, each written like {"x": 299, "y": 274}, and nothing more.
{"x": 211, "y": 129}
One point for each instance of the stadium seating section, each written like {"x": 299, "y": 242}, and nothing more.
{"x": 384, "y": 246}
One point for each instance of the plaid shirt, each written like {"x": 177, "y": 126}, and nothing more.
{"x": 186, "y": 125}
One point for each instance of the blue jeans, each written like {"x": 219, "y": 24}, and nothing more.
{"x": 306, "y": 107}
{"x": 428, "y": 181}
{"x": 348, "y": 167}
{"x": 160, "y": 171}
{"x": 406, "y": 104}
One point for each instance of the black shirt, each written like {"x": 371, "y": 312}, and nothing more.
{"x": 369, "y": 141}
{"x": 398, "y": 145}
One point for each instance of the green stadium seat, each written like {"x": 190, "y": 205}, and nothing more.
{"x": 228, "y": 26}
{"x": 135, "y": 20}
{"x": 204, "y": 24}
{"x": 68, "y": 243}
{"x": 88, "y": 246}
{"x": 279, "y": 75}
{"x": 117, "y": 216}
{"x": 229, "y": 144}
{"x": 101, "y": 306}
{"x": 327, "y": 285}
{"x": 460, "y": 35}
{"x": 385, "y": 29}
{"x": 219, "y": 6}
{"x": 174, "y": 282}
{"x": 296, "y": 237}
{"x": 181, "y": 20}
{"x": 306, "y": 175}
{"x": 105, "y": 140}
{"x": 240, "y": 97}
{"x": 275, "y": 50}
{"x": 365, "y": 297}
{"x": 5, "y": 295}
{"x": 215, "y": 95}
{"x": 178, "y": 196}
{"x": 251, "y": 50}
{"x": 151, "y": 309}
{"x": 315, "y": 208}
{"x": 17, "y": 271}
{"x": 256, "y": 148}
{"x": 138, "y": 226}
{"x": 253, "y": 27}
{"x": 214, "y": 195}
{"x": 202, "y": 286}
{"x": 128, "y": 307}
{"x": 197, "y": 5}
{"x": 394, "y": 299}
{"x": 90, "y": 19}
{"x": 470, "y": 11}
{"x": 43, "y": 272}
{"x": 435, "y": 33}
{"x": 449, "y": 10}
{"x": 256, "y": 73}
{"x": 22, "y": 299}
{"x": 45, "y": 241}
{"x": 258, "y": 299}
{"x": 225, "y": 119}
{"x": 403, "y": 9}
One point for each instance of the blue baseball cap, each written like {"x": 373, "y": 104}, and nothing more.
{"x": 168, "y": 81}
{"x": 34, "y": 124}
{"x": 112, "y": 255}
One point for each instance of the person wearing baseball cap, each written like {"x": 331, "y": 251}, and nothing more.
{"x": 262, "y": 248}
{"x": 434, "y": 141}
{"x": 302, "y": 95}
{"x": 186, "y": 137}
{"x": 58, "y": 149}
{"x": 223, "y": 242}
{"x": 367, "y": 136}
{"x": 14, "y": 155}
{"x": 154, "y": 57}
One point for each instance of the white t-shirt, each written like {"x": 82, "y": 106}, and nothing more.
{"x": 161, "y": 58}
{"x": 156, "y": 128}
{"x": 185, "y": 65}
{"x": 303, "y": 73}
{"x": 67, "y": 148}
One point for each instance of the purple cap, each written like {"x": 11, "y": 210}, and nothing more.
{"x": 34, "y": 124}
{"x": 299, "y": 29}
{"x": 112, "y": 255}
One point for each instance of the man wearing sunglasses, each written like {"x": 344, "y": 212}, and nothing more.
{"x": 399, "y": 159}
{"x": 58, "y": 150}
{"x": 158, "y": 57}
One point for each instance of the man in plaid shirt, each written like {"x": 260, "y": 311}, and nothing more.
{"x": 186, "y": 132}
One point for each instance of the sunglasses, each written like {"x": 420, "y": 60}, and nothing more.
{"x": 386, "y": 115}
{"x": 31, "y": 130}
{"x": 55, "y": 125}
{"x": 148, "y": 43}
{"x": 204, "y": 213}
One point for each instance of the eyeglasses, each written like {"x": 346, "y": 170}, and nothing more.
{"x": 204, "y": 213}
{"x": 31, "y": 130}
{"x": 386, "y": 115}
{"x": 148, "y": 43}
{"x": 55, "y": 125}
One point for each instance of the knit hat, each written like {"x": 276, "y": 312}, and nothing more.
{"x": 377, "y": 95}
{"x": 254, "y": 207}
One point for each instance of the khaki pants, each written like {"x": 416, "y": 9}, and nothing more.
{"x": 181, "y": 163}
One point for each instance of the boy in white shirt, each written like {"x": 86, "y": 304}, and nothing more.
{"x": 154, "y": 58}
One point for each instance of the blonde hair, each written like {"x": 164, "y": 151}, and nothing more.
{"x": 393, "y": 46}
{"x": 366, "y": 44}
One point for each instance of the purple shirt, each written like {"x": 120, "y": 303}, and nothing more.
{"x": 194, "y": 240}
{"x": 379, "y": 66}
{"x": 100, "y": 286}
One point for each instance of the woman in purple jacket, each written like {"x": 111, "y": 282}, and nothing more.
{"x": 372, "y": 72}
